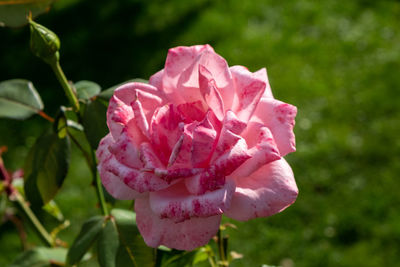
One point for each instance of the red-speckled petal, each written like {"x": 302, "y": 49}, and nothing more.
{"x": 214, "y": 176}
{"x": 188, "y": 83}
{"x": 186, "y": 235}
{"x": 249, "y": 87}
{"x": 139, "y": 180}
{"x": 279, "y": 118}
{"x": 262, "y": 153}
{"x": 209, "y": 91}
{"x": 178, "y": 60}
{"x": 166, "y": 128}
{"x": 176, "y": 203}
{"x": 267, "y": 191}
{"x": 118, "y": 115}
{"x": 112, "y": 183}
{"x": 204, "y": 142}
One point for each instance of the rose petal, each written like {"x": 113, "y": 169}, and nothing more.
{"x": 166, "y": 128}
{"x": 193, "y": 111}
{"x": 210, "y": 93}
{"x": 176, "y": 203}
{"x": 156, "y": 79}
{"x": 178, "y": 60}
{"x": 112, "y": 183}
{"x": 139, "y": 180}
{"x": 267, "y": 191}
{"x": 279, "y": 118}
{"x": 204, "y": 142}
{"x": 125, "y": 149}
{"x": 214, "y": 176}
{"x": 186, "y": 235}
{"x": 118, "y": 115}
{"x": 249, "y": 89}
{"x": 188, "y": 83}
{"x": 262, "y": 153}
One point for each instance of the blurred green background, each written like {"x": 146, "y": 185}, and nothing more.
{"x": 337, "y": 61}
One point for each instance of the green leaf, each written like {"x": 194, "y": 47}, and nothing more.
{"x": 107, "y": 246}
{"x": 41, "y": 257}
{"x": 13, "y": 13}
{"x": 46, "y": 168}
{"x": 19, "y": 99}
{"x": 178, "y": 258}
{"x": 94, "y": 122}
{"x": 132, "y": 249}
{"x": 108, "y": 93}
{"x": 88, "y": 234}
{"x": 87, "y": 89}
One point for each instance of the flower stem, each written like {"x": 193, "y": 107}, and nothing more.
{"x": 43, "y": 234}
{"x": 45, "y": 116}
{"x": 99, "y": 188}
{"x": 55, "y": 65}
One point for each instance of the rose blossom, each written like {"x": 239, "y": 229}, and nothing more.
{"x": 200, "y": 140}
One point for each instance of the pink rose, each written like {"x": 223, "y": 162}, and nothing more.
{"x": 200, "y": 140}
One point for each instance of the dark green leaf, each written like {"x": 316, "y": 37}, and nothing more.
{"x": 107, "y": 246}
{"x": 87, "y": 89}
{"x": 19, "y": 99}
{"x": 41, "y": 257}
{"x": 178, "y": 258}
{"x": 133, "y": 249}
{"x": 94, "y": 122}
{"x": 108, "y": 93}
{"x": 88, "y": 234}
{"x": 13, "y": 13}
{"x": 46, "y": 168}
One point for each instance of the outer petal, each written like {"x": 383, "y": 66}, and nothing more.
{"x": 279, "y": 118}
{"x": 188, "y": 83}
{"x": 112, "y": 183}
{"x": 267, "y": 191}
{"x": 263, "y": 152}
{"x": 125, "y": 148}
{"x": 186, "y": 235}
{"x": 139, "y": 180}
{"x": 178, "y": 60}
{"x": 249, "y": 87}
{"x": 176, "y": 203}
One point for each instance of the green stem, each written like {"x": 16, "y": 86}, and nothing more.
{"x": 44, "y": 235}
{"x": 55, "y": 65}
{"x": 99, "y": 188}
{"x": 221, "y": 249}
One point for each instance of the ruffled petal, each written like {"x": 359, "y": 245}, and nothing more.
{"x": 214, "y": 176}
{"x": 267, "y": 191}
{"x": 210, "y": 93}
{"x": 204, "y": 142}
{"x": 156, "y": 79}
{"x": 139, "y": 180}
{"x": 118, "y": 115}
{"x": 176, "y": 203}
{"x": 279, "y": 118}
{"x": 263, "y": 152}
{"x": 186, "y": 235}
{"x": 125, "y": 148}
{"x": 112, "y": 183}
{"x": 178, "y": 60}
{"x": 166, "y": 128}
{"x": 188, "y": 83}
{"x": 249, "y": 87}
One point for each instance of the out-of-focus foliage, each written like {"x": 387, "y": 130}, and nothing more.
{"x": 337, "y": 61}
